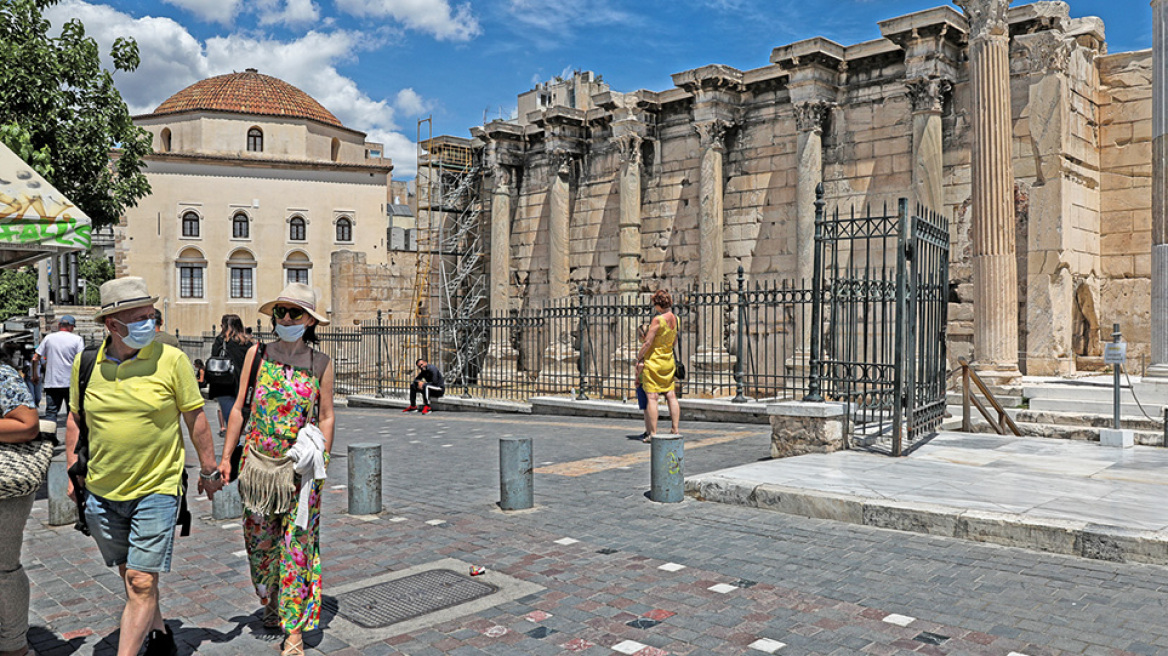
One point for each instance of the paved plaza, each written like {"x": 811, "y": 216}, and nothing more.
{"x": 614, "y": 573}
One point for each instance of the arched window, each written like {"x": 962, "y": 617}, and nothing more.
{"x": 344, "y": 229}
{"x": 164, "y": 140}
{"x": 240, "y": 226}
{"x": 191, "y": 265}
{"x": 296, "y": 267}
{"x": 241, "y": 266}
{"x": 255, "y": 140}
{"x": 296, "y": 229}
{"x": 190, "y": 224}
{"x": 336, "y": 149}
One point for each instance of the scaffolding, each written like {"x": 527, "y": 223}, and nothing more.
{"x": 450, "y": 280}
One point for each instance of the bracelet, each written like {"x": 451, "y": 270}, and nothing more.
{"x": 213, "y": 476}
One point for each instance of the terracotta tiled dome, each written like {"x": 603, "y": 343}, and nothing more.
{"x": 249, "y": 92}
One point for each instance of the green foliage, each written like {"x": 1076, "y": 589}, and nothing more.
{"x": 95, "y": 271}
{"x": 18, "y": 292}
{"x": 59, "y": 110}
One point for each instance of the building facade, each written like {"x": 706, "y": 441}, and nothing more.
{"x": 254, "y": 185}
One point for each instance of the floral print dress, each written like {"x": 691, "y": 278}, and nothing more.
{"x": 284, "y": 559}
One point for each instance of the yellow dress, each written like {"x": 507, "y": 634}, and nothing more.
{"x": 659, "y": 364}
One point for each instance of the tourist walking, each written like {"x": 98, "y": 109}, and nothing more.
{"x": 57, "y": 352}
{"x": 133, "y": 457}
{"x": 21, "y": 474}
{"x": 656, "y": 366}
{"x": 230, "y": 347}
{"x": 429, "y": 383}
{"x": 287, "y": 432}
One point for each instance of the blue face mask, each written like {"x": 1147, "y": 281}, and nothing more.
{"x": 290, "y": 333}
{"x": 141, "y": 333}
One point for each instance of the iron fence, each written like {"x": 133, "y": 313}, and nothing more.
{"x": 743, "y": 340}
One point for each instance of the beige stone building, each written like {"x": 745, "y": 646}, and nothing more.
{"x": 254, "y": 185}
{"x": 680, "y": 186}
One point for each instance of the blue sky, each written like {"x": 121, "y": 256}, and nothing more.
{"x": 380, "y": 65}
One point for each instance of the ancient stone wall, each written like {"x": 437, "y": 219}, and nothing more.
{"x": 361, "y": 288}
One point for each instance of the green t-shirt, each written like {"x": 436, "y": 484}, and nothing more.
{"x": 133, "y": 410}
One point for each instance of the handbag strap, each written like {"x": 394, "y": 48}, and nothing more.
{"x": 251, "y": 378}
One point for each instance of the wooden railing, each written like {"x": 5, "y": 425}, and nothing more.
{"x": 1003, "y": 425}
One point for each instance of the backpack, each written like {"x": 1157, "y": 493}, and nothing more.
{"x": 219, "y": 369}
{"x": 80, "y": 468}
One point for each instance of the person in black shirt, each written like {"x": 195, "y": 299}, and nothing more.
{"x": 232, "y": 343}
{"x": 429, "y": 383}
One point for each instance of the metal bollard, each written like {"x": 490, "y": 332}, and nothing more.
{"x": 364, "y": 479}
{"x": 666, "y": 470}
{"x": 62, "y": 509}
{"x": 226, "y": 503}
{"x": 515, "y": 474}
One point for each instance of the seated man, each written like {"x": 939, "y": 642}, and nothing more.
{"x": 429, "y": 382}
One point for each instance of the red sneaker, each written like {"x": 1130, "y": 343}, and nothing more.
{"x": 425, "y": 409}
{"x": 411, "y": 408}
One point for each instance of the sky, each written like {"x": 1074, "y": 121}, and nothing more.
{"x": 381, "y": 65}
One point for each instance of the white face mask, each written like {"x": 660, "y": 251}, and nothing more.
{"x": 139, "y": 333}
{"x": 290, "y": 333}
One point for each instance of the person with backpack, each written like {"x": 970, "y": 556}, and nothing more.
{"x": 124, "y": 443}
{"x": 284, "y": 418}
{"x": 224, "y": 367}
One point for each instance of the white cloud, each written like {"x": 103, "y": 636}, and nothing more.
{"x": 436, "y": 17}
{"x": 172, "y": 59}
{"x": 211, "y": 11}
{"x": 292, "y": 13}
{"x": 561, "y": 16}
{"x": 410, "y": 103}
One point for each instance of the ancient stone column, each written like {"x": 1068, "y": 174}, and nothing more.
{"x": 501, "y": 362}
{"x": 558, "y": 237}
{"x": 995, "y": 270}
{"x": 711, "y": 362}
{"x": 629, "y": 266}
{"x": 1159, "y": 318}
{"x": 926, "y": 95}
{"x": 809, "y": 118}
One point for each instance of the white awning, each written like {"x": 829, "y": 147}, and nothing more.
{"x": 36, "y": 220}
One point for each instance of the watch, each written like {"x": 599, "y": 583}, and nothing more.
{"x": 213, "y": 476}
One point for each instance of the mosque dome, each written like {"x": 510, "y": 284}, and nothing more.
{"x": 249, "y": 92}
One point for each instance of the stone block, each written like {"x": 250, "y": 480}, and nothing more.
{"x": 798, "y": 428}
{"x": 1012, "y": 530}
{"x": 817, "y": 505}
{"x": 726, "y": 490}
{"x": 1122, "y": 438}
{"x": 913, "y": 517}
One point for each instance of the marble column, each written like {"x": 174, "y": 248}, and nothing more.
{"x": 995, "y": 269}
{"x": 926, "y": 95}
{"x": 502, "y": 360}
{"x": 711, "y": 363}
{"x": 629, "y": 265}
{"x": 1159, "y": 318}
{"x": 809, "y": 118}
{"x": 560, "y": 204}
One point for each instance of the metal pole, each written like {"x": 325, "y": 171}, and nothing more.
{"x": 816, "y": 301}
{"x": 740, "y": 364}
{"x": 582, "y": 327}
{"x": 380, "y": 359}
{"x": 1115, "y": 339}
{"x": 516, "y": 483}
{"x": 364, "y": 479}
{"x": 666, "y": 470}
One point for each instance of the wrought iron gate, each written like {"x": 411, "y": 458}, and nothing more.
{"x": 878, "y": 321}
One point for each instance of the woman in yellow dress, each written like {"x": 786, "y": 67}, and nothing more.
{"x": 656, "y": 366}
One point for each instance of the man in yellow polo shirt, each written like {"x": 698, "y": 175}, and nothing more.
{"x": 136, "y": 394}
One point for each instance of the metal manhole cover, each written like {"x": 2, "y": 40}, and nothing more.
{"x": 381, "y": 605}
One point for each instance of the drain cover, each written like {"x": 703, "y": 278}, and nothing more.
{"x": 381, "y": 605}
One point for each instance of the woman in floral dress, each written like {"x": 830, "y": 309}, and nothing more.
{"x": 294, "y": 384}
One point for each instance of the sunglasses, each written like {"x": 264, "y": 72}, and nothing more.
{"x": 292, "y": 313}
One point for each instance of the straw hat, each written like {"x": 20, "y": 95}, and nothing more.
{"x": 122, "y": 294}
{"x": 300, "y": 295}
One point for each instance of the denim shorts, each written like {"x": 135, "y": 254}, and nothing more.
{"x": 138, "y": 534}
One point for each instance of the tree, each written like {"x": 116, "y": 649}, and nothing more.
{"x": 95, "y": 271}
{"x": 18, "y": 292}
{"x": 60, "y": 111}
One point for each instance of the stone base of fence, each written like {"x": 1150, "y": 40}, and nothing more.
{"x": 800, "y": 427}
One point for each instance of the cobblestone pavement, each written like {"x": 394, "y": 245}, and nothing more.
{"x": 622, "y": 575}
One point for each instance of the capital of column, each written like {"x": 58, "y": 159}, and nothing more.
{"x": 987, "y": 18}
{"x": 630, "y": 147}
{"x": 712, "y": 134}
{"x": 927, "y": 94}
{"x": 561, "y": 161}
{"x": 502, "y": 176}
{"x": 810, "y": 116}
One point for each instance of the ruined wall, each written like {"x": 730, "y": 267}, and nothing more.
{"x": 360, "y": 288}
{"x": 1125, "y": 134}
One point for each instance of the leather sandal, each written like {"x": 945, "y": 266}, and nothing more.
{"x": 293, "y": 650}
{"x": 272, "y": 614}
